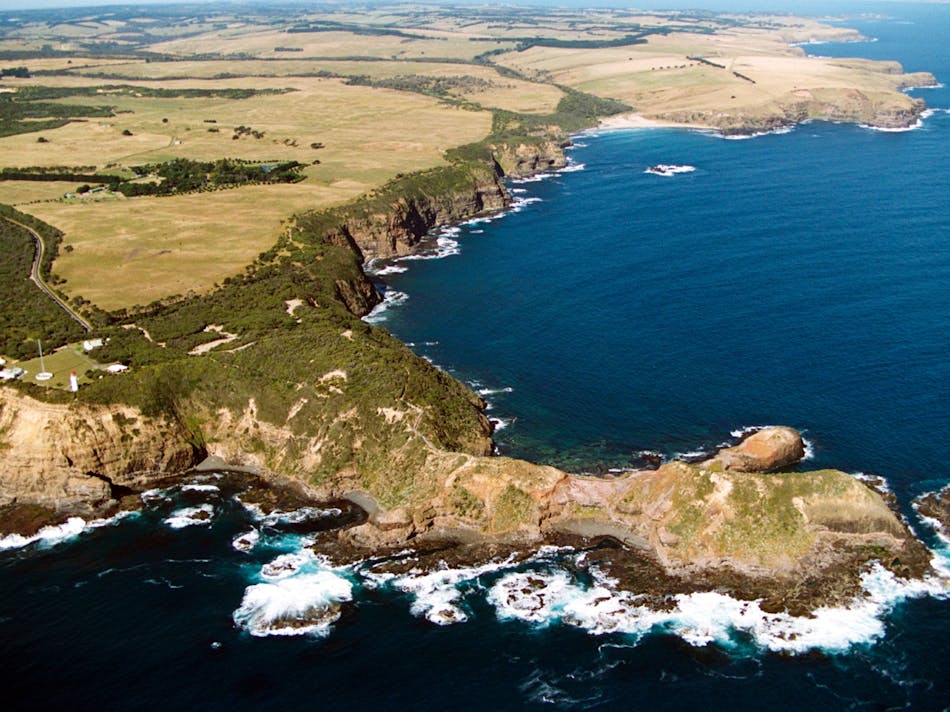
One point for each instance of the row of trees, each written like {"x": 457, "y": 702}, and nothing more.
{"x": 183, "y": 175}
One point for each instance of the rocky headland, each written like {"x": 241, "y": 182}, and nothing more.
{"x": 722, "y": 524}
{"x": 355, "y": 416}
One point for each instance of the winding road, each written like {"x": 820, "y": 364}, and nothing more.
{"x": 38, "y": 280}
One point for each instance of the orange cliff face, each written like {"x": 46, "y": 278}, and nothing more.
{"x": 64, "y": 457}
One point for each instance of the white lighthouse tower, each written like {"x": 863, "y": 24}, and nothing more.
{"x": 73, "y": 382}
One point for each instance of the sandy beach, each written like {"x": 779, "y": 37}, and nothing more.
{"x": 637, "y": 121}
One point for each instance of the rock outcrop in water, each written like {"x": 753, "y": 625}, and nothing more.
{"x": 936, "y": 506}
{"x": 686, "y": 517}
{"x": 762, "y": 451}
{"x": 343, "y": 433}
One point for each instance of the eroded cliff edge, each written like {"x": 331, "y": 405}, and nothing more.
{"x": 308, "y": 392}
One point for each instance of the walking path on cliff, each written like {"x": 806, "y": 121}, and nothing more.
{"x": 38, "y": 279}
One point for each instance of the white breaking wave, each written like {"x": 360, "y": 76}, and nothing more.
{"x": 155, "y": 495}
{"x": 390, "y": 299}
{"x": 669, "y": 169}
{"x": 247, "y": 540}
{"x": 572, "y": 167}
{"x": 58, "y": 533}
{"x": 191, "y": 516}
{"x": 283, "y": 566}
{"x": 294, "y": 516}
{"x": 436, "y": 595}
{"x": 517, "y": 190}
{"x": 306, "y": 604}
{"x": 445, "y": 246}
{"x": 876, "y": 481}
{"x": 699, "y": 619}
{"x": 520, "y": 204}
{"x": 756, "y": 134}
{"x": 926, "y": 114}
{"x": 501, "y": 423}
{"x": 387, "y": 269}
{"x": 536, "y": 178}
{"x": 200, "y": 488}
{"x": 486, "y": 219}
{"x": 551, "y": 595}
{"x": 941, "y": 554}
{"x": 741, "y": 433}
{"x": 691, "y": 455}
{"x": 494, "y": 391}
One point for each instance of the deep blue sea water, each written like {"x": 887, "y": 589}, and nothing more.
{"x": 801, "y": 278}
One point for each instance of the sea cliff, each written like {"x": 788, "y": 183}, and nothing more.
{"x": 309, "y": 393}
{"x": 78, "y": 459}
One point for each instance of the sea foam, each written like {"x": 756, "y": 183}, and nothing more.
{"x": 200, "y": 488}
{"x": 703, "y": 618}
{"x": 572, "y": 167}
{"x": 669, "y": 169}
{"x": 294, "y": 516}
{"x": 306, "y": 604}
{"x": 542, "y": 592}
{"x": 437, "y": 594}
{"x": 191, "y": 516}
{"x": 391, "y": 298}
{"x": 58, "y": 533}
{"x": 246, "y": 541}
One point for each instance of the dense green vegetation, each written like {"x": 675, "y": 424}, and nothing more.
{"x": 281, "y": 358}
{"x": 440, "y": 87}
{"x": 586, "y": 108}
{"x": 19, "y": 115}
{"x": 45, "y": 93}
{"x": 63, "y": 174}
{"x": 183, "y": 175}
{"x": 34, "y": 108}
{"x": 180, "y": 175}
{"x": 26, "y": 313}
{"x": 371, "y": 31}
{"x": 627, "y": 40}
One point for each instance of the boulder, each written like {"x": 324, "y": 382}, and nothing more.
{"x": 763, "y": 451}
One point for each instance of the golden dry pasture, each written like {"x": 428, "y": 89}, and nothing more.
{"x": 246, "y": 41}
{"x": 508, "y": 93}
{"x": 661, "y": 81}
{"x": 131, "y": 251}
{"x": 18, "y": 192}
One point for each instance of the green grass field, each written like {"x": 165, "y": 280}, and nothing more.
{"x": 59, "y": 363}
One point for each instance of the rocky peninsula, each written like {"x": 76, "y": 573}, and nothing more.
{"x": 314, "y": 405}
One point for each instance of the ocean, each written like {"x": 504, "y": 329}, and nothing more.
{"x": 800, "y": 278}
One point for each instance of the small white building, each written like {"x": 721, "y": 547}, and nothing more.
{"x": 117, "y": 368}
{"x": 91, "y": 344}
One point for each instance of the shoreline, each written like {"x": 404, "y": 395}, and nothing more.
{"x": 624, "y": 122}
{"x": 408, "y": 525}
{"x": 639, "y": 121}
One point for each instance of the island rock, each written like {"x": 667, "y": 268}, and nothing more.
{"x": 763, "y": 451}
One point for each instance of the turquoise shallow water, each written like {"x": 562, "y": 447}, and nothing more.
{"x": 801, "y": 278}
